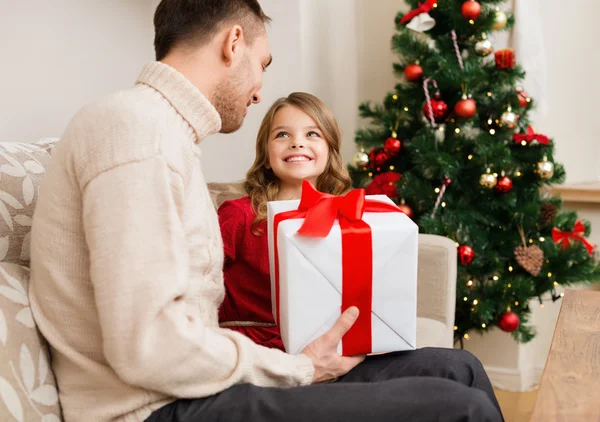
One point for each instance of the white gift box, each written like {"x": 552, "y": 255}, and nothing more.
{"x": 310, "y": 279}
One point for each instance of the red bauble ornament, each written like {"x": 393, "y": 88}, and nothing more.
{"x": 439, "y": 108}
{"x": 470, "y": 10}
{"x": 466, "y": 254}
{"x": 378, "y": 157}
{"x": 392, "y": 146}
{"x": 509, "y": 322}
{"x": 384, "y": 184}
{"x": 406, "y": 210}
{"x": 465, "y": 108}
{"x": 505, "y": 59}
{"x": 504, "y": 185}
{"x": 523, "y": 99}
{"x": 413, "y": 72}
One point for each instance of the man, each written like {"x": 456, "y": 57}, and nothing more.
{"x": 127, "y": 258}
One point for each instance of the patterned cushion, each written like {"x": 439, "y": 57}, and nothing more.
{"x": 22, "y": 167}
{"x": 27, "y": 387}
{"x": 221, "y": 192}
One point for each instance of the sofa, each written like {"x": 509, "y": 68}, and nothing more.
{"x": 28, "y": 390}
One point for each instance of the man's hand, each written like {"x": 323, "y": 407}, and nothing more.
{"x": 328, "y": 363}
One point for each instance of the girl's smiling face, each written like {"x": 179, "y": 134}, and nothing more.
{"x": 296, "y": 148}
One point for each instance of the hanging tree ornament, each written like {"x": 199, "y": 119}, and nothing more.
{"x": 488, "y": 180}
{"x": 361, "y": 159}
{"x": 530, "y": 258}
{"x": 465, "y": 108}
{"x": 470, "y": 10}
{"x": 441, "y": 193}
{"x": 466, "y": 254}
{"x": 505, "y": 59}
{"x": 545, "y": 169}
{"x": 406, "y": 209}
{"x": 484, "y": 47}
{"x": 435, "y": 109}
{"x": 509, "y": 118}
{"x": 392, "y": 146}
{"x": 504, "y": 184}
{"x": 523, "y": 97}
{"x": 508, "y": 321}
{"x": 377, "y": 158}
{"x": 413, "y": 72}
{"x": 500, "y": 20}
{"x": 419, "y": 19}
{"x": 548, "y": 213}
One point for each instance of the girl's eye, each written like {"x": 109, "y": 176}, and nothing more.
{"x": 282, "y": 135}
{"x": 313, "y": 133}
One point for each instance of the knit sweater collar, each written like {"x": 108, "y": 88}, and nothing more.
{"x": 189, "y": 102}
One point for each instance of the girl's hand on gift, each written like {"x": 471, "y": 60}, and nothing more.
{"x": 328, "y": 363}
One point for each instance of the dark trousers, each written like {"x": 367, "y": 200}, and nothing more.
{"x": 423, "y": 385}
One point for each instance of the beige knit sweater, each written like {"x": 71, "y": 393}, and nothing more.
{"x": 127, "y": 257}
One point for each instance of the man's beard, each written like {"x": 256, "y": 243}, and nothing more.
{"x": 230, "y": 102}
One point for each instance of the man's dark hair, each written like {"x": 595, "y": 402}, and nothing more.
{"x": 194, "y": 22}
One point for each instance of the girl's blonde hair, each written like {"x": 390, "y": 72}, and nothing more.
{"x": 261, "y": 183}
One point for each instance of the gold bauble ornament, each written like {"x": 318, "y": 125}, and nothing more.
{"x": 484, "y": 47}
{"x": 488, "y": 180}
{"x": 545, "y": 169}
{"x": 500, "y": 20}
{"x": 361, "y": 159}
{"x": 509, "y": 119}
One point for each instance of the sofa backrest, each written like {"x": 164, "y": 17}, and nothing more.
{"x": 22, "y": 167}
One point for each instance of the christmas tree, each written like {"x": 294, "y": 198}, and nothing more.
{"x": 453, "y": 146}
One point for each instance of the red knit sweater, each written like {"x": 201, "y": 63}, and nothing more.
{"x": 246, "y": 273}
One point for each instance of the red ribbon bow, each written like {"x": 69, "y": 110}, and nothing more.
{"x": 423, "y": 8}
{"x": 564, "y": 238}
{"x": 320, "y": 210}
{"x": 531, "y": 136}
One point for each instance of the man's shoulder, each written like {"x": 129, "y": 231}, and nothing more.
{"x": 128, "y": 126}
{"x": 138, "y": 106}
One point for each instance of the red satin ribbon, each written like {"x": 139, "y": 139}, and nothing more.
{"x": 423, "y": 8}
{"x": 531, "y": 136}
{"x": 320, "y": 210}
{"x": 564, "y": 238}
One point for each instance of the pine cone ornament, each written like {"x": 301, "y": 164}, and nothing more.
{"x": 530, "y": 258}
{"x": 548, "y": 213}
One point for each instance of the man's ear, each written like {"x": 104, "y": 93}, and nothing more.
{"x": 232, "y": 45}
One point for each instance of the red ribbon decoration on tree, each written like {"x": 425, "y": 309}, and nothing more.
{"x": 564, "y": 238}
{"x": 320, "y": 210}
{"x": 423, "y": 8}
{"x": 531, "y": 136}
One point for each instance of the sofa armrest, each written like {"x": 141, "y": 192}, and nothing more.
{"x": 436, "y": 283}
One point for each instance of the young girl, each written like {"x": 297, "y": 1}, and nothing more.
{"x": 299, "y": 139}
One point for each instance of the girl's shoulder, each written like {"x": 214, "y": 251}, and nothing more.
{"x": 237, "y": 207}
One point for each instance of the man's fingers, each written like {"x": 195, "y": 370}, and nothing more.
{"x": 344, "y": 323}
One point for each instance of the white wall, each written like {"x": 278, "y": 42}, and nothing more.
{"x": 58, "y": 55}
{"x": 571, "y": 39}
